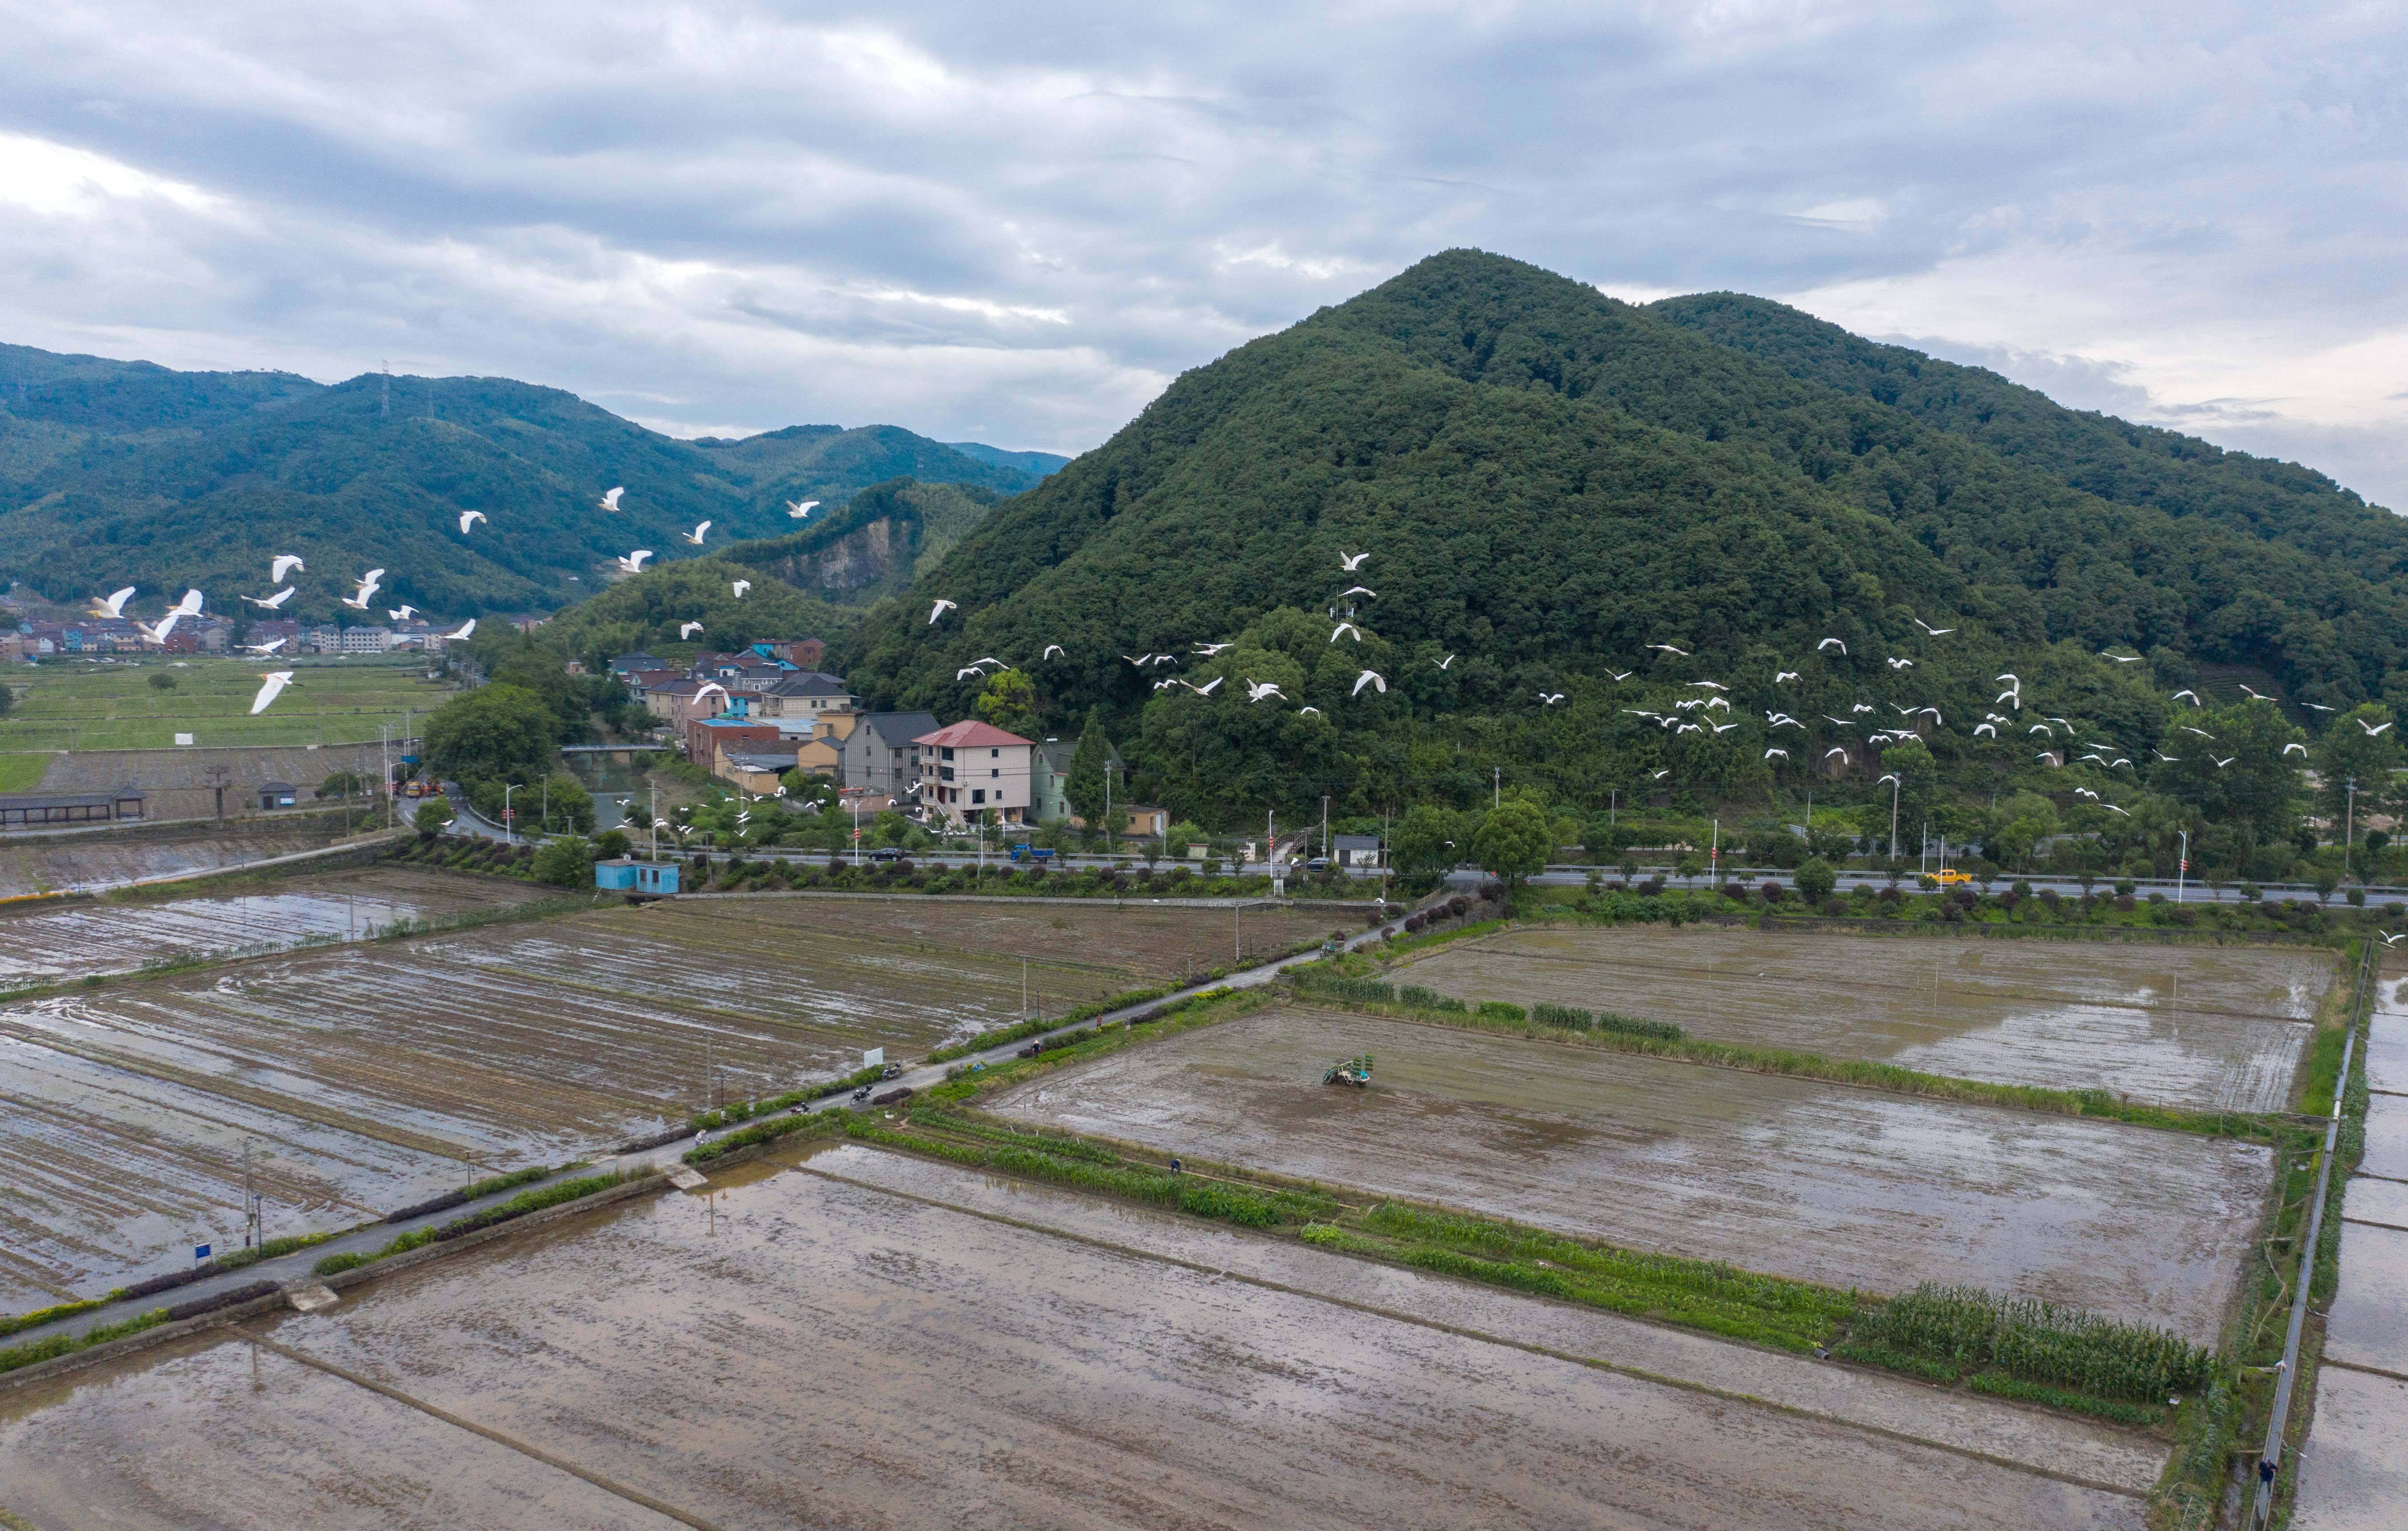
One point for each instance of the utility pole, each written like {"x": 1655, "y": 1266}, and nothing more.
{"x": 2348, "y": 826}
{"x": 1497, "y": 788}
{"x": 1324, "y": 826}
{"x": 1892, "y": 780}
{"x": 1612, "y": 806}
{"x": 509, "y": 836}
{"x": 655, "y": 853}
{"x": 2182, "y": 867}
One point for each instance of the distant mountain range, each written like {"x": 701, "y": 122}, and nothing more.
{"x": 116, "y": 473}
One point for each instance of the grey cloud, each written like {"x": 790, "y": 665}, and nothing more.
{"x": 743, "y": 215}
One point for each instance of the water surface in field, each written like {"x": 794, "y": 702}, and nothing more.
{"x": 1853, "y": 1188}
{"x": 2219, "y": 1028}
{"x": 788, "y": 1350}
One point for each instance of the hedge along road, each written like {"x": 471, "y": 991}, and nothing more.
{"x": 291, "y": 1269}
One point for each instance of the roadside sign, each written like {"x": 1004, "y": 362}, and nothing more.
{"x": 200, "y": 1252}
{"x": 873, "y": 1058}
{"x": 183, "y": 738}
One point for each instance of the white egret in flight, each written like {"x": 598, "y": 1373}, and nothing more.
{"x": 269, "y": 689}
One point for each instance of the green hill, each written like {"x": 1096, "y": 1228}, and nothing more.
{"x": 1549, "y": 482}
{"x": 114, "y": 473}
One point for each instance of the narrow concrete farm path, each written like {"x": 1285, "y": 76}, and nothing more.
{"x": 2351, "y": 1471}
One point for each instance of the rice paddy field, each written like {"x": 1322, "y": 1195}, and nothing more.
{"x": 85, "y": 860}
{"x": 77, "y": 704}
{"x": 862, "y": 1340}
{"x": 1848, "y": 1187}
{"x": 119, "y": 935}
{"x": 2216, "y": 1028}
{"x": 368, "y": 1076}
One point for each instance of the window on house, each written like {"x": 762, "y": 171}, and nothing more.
{"x": 995, "y": 754}
{"x": 994, "y": 773}
{"x": 978, "y": 794}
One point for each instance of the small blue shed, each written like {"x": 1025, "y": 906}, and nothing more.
{"x": 635, "y": 877}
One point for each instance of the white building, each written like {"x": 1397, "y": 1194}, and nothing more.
{"x": 969, "y": 768}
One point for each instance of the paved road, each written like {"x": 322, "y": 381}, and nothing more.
{"x": 295, "y": 1268}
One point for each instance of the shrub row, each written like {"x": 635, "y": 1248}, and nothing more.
{"x": 2038, "y": 1342}
{"x": 761, "y": 1132}
{"x": 1032, "y": 1027}
{"x": 517, "y": 1207}
{"x": 40, "y": 1316}
{"x": 234, "y": 1297}
{"x": 55, "y": 1346}
{"x": 482, "y": 1188}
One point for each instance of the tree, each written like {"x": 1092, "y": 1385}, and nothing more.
{"x": 1815, "y": 879}
{"x": 565, "y": 862}
{"x": 2348, "y": 753}
{"x": 495, "y": 733}
{"x": 431, "y": 818}
{"x": 567, "y": 807}
{"x": 1083, "y": 784}
{"x": 1183, "y": 834}
{"x": 163, "y": 681}
{"x": 612, "y": 844}
{"x": 1009, "y": 703}
{"x": 2237, "y": 769}
{"x": 1513, "y": 840}
{"x": 1424, "y": 841}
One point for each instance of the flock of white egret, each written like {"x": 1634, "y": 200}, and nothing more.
{"x": 1693, "y": 715}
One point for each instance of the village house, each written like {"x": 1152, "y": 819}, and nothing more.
{"x": 970, "y": 768}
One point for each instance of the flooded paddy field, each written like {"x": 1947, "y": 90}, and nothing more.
{"x": 371, "y": 1075}
{"x": 105, "y": 858}
{"x": 1152, "y": 943}
{"x": 1853, "y": 1188}
{"x": 791, "y": 1349}
{"x": 2218, "y": 1028}
{"x": 74, "y": 939}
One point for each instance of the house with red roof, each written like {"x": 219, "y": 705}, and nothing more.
{"x": 970, "y": 768}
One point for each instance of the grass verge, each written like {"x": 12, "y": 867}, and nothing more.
{"x": 58, "y": 1345}
{"x": 517, "y": 1207}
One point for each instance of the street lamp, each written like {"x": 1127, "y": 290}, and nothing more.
{"x": 1894, "y": 785}
{"x": 507, "y": 788}
{"x": 2182, "y": 867}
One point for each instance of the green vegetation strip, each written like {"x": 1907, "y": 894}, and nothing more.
{"x": 58, "y": 1345}
{"x": 1621, "y": 1034}
{"x": 517, "y": 1207}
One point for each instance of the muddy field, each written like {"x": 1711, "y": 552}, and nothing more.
{"x": 109, "y": 936}
{"x": 795, "y": 1350}
{"x": 371, "y": 1075}
{"x": 1791, "y": 1177}
{"x": 105, "y": 858}
{"x": 2214, "y": 1027}
{"x": 2351, "y": 1476}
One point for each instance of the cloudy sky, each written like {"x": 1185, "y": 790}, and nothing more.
{"x": 1018, "y": 223}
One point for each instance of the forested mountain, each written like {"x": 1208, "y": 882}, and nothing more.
{"x": 115, "y": 473}
{"x": 1550, "y": 482}
{"x": 2113, "y": 459}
